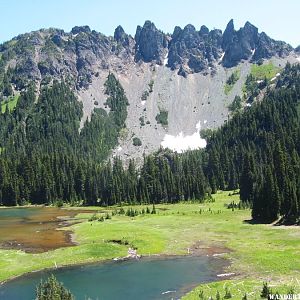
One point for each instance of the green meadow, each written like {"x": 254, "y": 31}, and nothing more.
{"x": 258, "y": 252}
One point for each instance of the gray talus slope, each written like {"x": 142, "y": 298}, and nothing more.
{"x": 195, "y": 99}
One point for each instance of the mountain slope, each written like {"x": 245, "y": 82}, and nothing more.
{"x": 182, "y": 75}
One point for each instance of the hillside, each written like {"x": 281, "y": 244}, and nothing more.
{"x": 176, "y": 84}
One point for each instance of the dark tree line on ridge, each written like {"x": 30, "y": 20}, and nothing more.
{"x": 45, "y": 158}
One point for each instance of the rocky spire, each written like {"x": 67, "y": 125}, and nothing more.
{"x": 228, "y": 34}
{"x": 150, "y": 43}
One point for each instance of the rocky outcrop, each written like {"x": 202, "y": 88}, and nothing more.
{"x": 238, "y": 45}
{"x": 247, "y": 43}
{"x": 151, "y": 43}
{"x": 194, "y": 51}
{"x": 79, "y": 55}
{"x": 267, "y": 47}
{"x": 124, "y": 46}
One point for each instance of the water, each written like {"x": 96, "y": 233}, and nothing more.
{"x": 163, "y": 278}
{"x": 34, "y": 229}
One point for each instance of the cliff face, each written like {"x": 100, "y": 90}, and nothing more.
{"x": 183, "y": 73}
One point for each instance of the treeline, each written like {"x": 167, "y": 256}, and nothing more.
{"x": 258, "y": 152}
{"x": 45, "y": 158}
{"x": 49, "y": 178}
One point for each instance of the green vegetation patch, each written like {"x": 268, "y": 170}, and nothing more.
{"x": 10, "y": 103}
{"x": 260, "y": 72}
{"x": 162, "y": 118}
{"x": 259, "y": 252}
{"x": 233, "y": 78}
{"x": 236, "y": 104}
{"x": 136, "y": 141}
{"x": 241, "y": 290}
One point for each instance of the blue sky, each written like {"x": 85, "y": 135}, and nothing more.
{"x": 279, "y": 19}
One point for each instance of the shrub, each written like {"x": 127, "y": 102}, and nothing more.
{"x": 136, "y": 142}
{"x": 162, "y": 118}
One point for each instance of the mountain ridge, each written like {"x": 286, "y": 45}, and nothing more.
{"x": 187, "y": 71}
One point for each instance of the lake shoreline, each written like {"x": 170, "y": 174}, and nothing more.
{"x": 162, "y": 256}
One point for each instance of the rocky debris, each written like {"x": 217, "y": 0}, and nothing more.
{"x": 151, "y": 43}
{"x": 132, "y": 253}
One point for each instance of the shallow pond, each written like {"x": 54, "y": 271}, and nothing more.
{"x": 34, "y": 229}
{"x": 147, "y": 278}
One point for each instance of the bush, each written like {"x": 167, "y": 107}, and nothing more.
{"x": 151, "y": 86}
{"x": 136, "y": 141}
{"x": 142, "y": 121}
{"x": 145, "y": 95}
{"x": 162, "y": 118}
{"x": 93, "y": 218}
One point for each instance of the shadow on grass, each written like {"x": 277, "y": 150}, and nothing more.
{"x": 255, "y": 222}
{"x": 279, "y": 222}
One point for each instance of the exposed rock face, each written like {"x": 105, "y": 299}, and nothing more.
{"x": 192, "y": 51}
{"x": 120, "y": 36}
{"x": 247, "y": 43}
{"x": 150, "y": 43}
{"x": 80, "y": 54}
{"x": 78, "y": 29}
{"x": 147, "y": 66}
{"x": 267, "y": 47}
{"x": 238, "y": 45}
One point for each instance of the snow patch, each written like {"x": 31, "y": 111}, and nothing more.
{"x": 298, "y": 58}
{"x": 248, "y": 104}
{"x": 166, "y": 59}
{"x": 259, "y": 81}
{"x": 143, "y": 102}
{"x": 205, "y": 121}
{"x": 277, "y": 75}
{"x": 119, "y": 148}
{"x": 253, "y": 51}
{"x": 272, "y": 79}
{"x": 222, "y": 56}
{"x": 181, "y": 142}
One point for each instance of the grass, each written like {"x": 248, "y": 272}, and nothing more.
{"x": 263, "y": 71}
{"x": 259, "y": 252}
{"x": 233, "y": 78}
{"x": 11, "y": 103}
